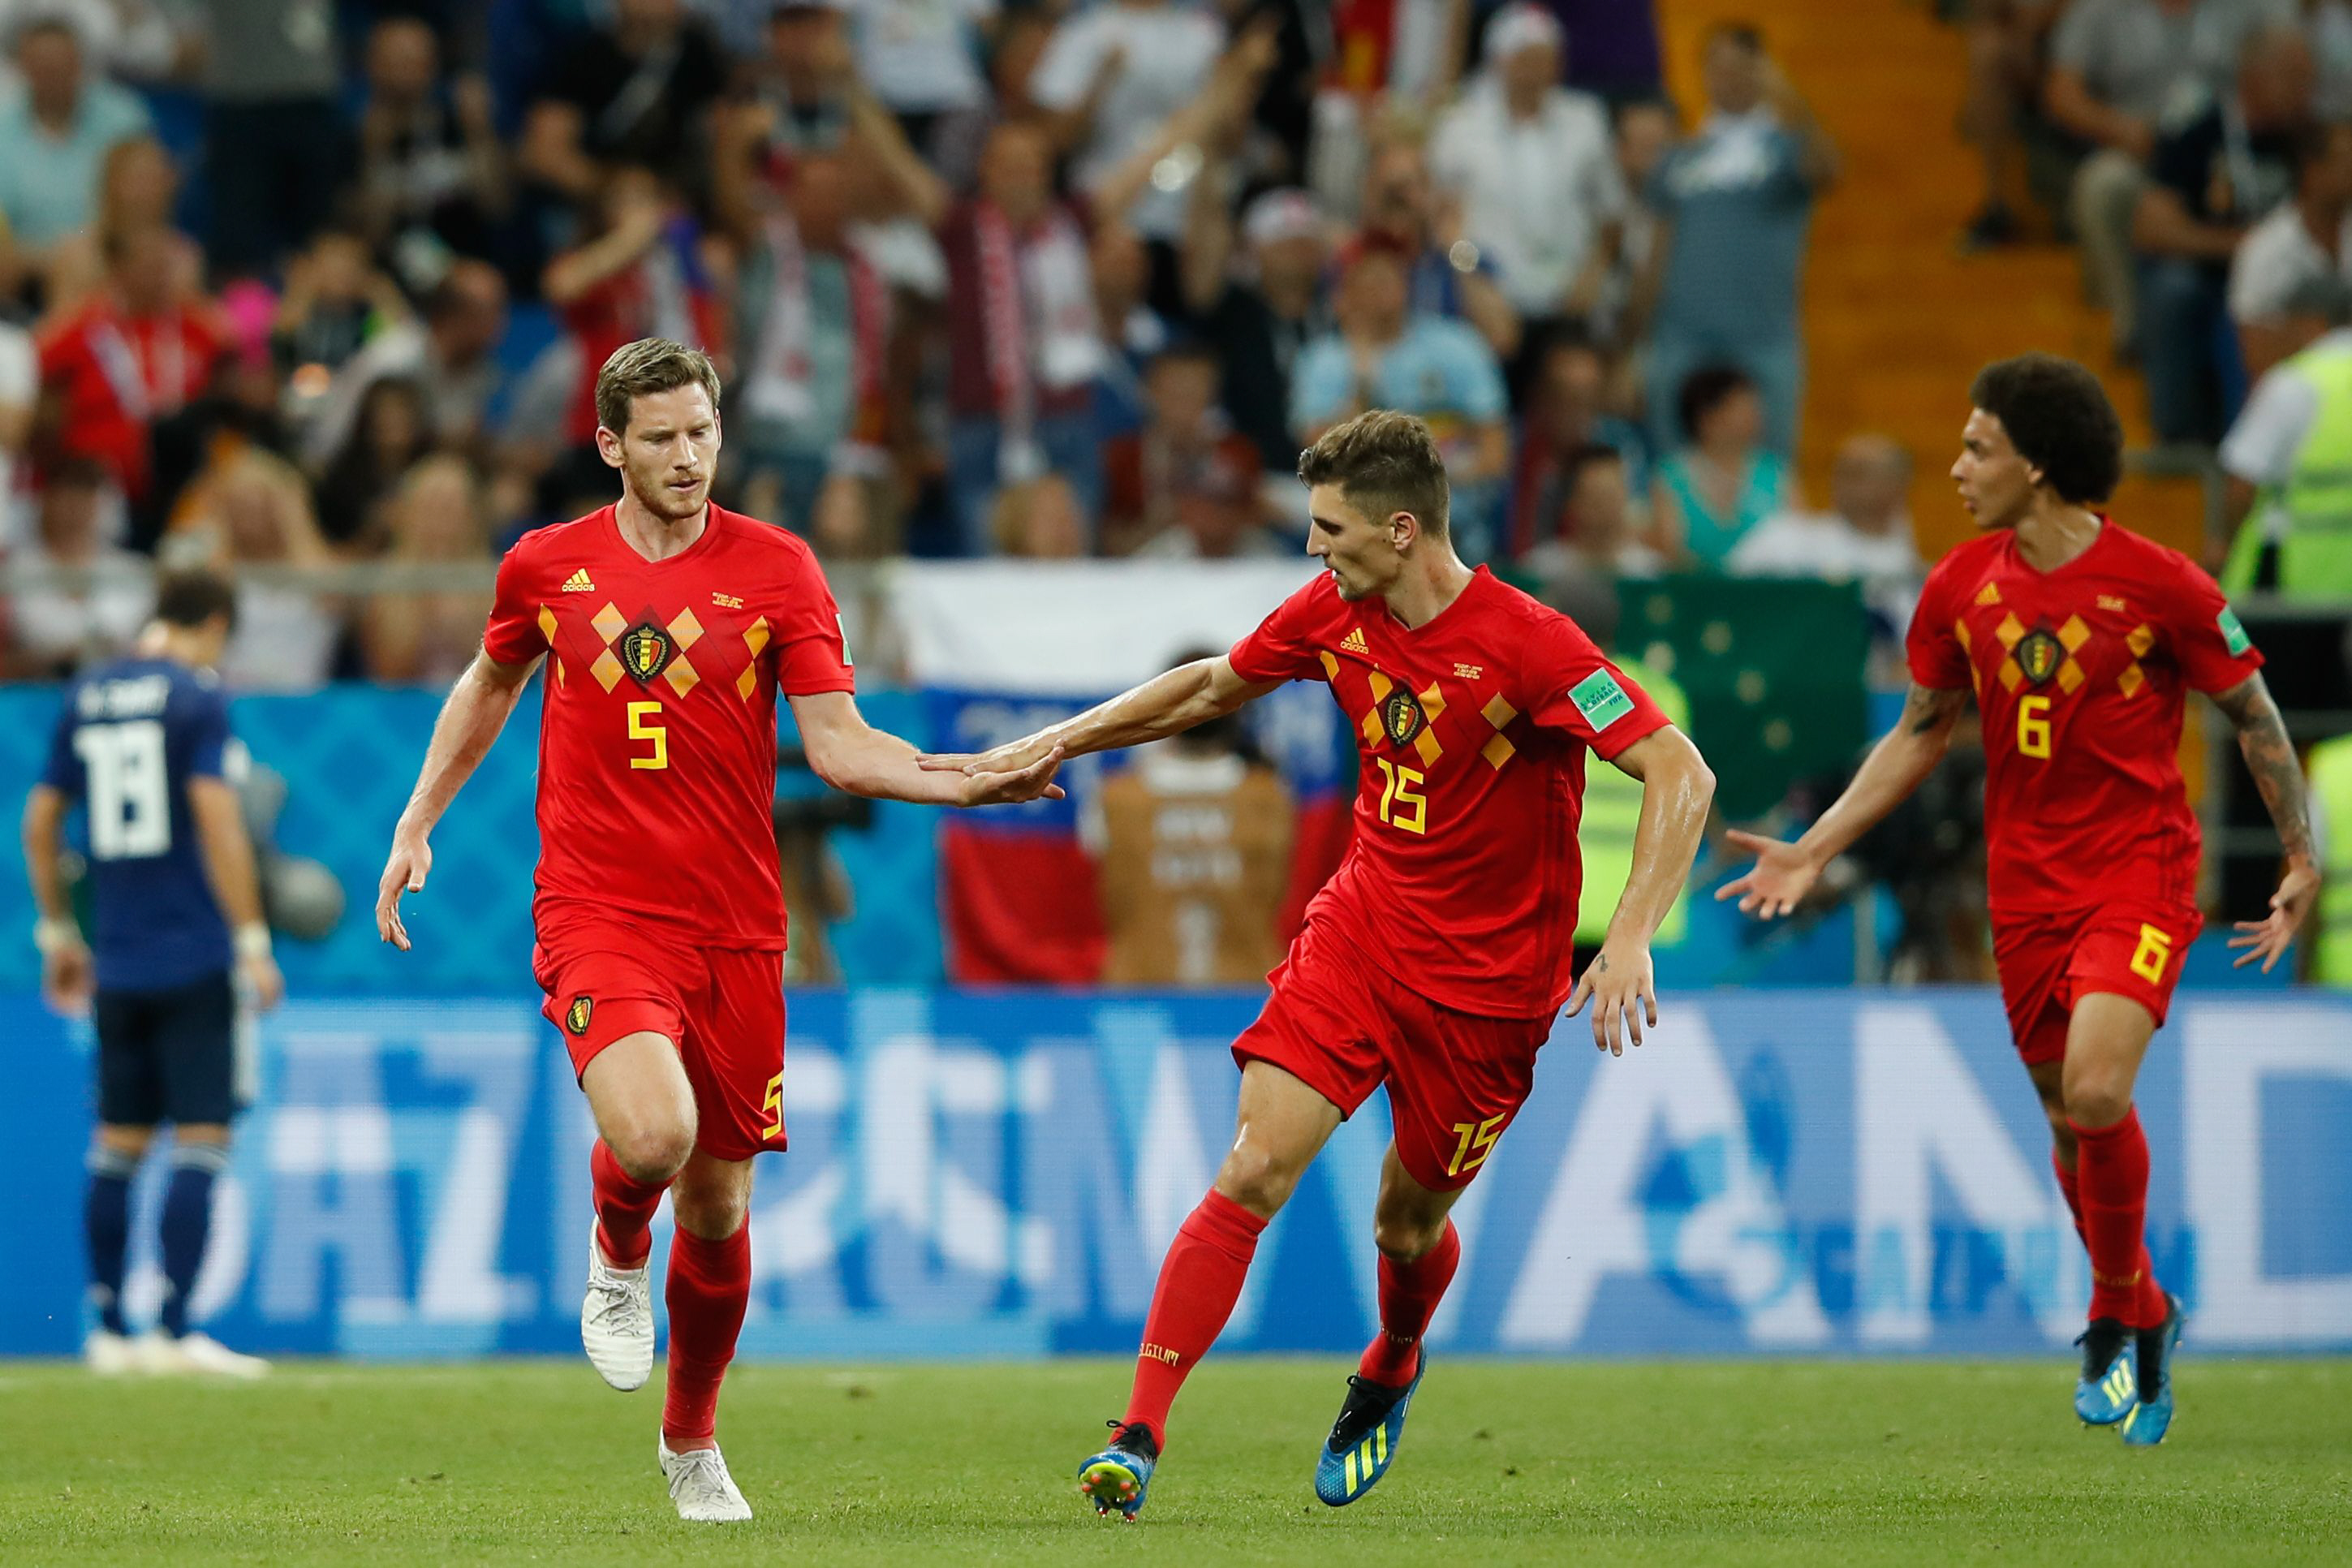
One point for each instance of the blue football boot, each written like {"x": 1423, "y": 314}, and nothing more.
{"x": 2151, "y": 1417}
{"x": 2109, "y": 1384}
{"x": 1363, "y": 1441}
{"x": 1116, "y": 1479}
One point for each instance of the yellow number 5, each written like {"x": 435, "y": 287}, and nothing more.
{"x": 1476, "y": 1141}
{"x": 643, "y": 727}
{"x": 2155, "y": 950}
{"x": 1400, "y": 796}
{"x": 2033, "y": 727}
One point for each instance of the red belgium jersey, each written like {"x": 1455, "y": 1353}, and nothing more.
{"x": 657, "y": 735}
{"x": 1464, "y": 876}
{"x": 2080, "y": 674}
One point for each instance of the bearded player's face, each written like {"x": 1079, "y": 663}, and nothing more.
{"x": 1995, "y": 484}
{"x": 670, "y": 451}
{"x": 1360, "y": 552}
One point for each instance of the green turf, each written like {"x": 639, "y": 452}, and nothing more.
{"x": 1504, "y": 1463}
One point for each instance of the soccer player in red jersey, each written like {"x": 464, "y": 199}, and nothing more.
{"x": 2079, "y": 640}
{"x": 1437, "y": 957}
{"x": 669, "y": 627}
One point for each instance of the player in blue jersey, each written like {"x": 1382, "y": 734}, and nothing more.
{"x": 175, "y": 921}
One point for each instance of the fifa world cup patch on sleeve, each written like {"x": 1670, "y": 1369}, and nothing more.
{"x": 575, "y": 1017}
{"x": 2232, "y": 634}
{"x": 1600, "y": 699}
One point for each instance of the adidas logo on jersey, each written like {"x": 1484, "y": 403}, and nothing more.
{"x": 1354, "y": 641}
{"x": 578, "y": 583}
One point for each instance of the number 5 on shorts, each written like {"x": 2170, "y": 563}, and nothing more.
{"x": 1474, "y": 1142}
{"x": 773, "y": 1109}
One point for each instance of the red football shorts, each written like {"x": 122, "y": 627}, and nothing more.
{"x": 2048, "y": 962}
{"x": 723, "y": 1007}
{"x": 1344, "y": 1028}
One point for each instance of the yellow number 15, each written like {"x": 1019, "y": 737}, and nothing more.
{"x": 1402, "y": 804}
{"x": 2033, "y": 727}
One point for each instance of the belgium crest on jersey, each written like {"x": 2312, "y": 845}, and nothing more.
{"x": 1401, "y": 717}
{"x": 646, "y": 650}
{"x": 575, "y": 1017}
{"x": 2039, "y": 653}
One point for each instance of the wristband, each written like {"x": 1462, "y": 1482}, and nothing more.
{"x": 252, "y": 939}
{"x": 55, "y": 933}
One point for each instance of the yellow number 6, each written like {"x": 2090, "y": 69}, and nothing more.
{"x": 2033, "y": 727}
{"x": 642, "y": 727}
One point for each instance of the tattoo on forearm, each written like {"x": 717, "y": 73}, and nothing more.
{"x": 1927, "y": 708}
{"x": 2270, "y": 757}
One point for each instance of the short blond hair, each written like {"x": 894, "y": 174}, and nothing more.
{"x": 1383, "y": 462}
{"x": 645, "y": 367}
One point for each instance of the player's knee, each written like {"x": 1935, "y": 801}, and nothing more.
{"x": 2099, "y": 1101}
{"x": 128, "y": 1142}
{"x": 713, "y": 1212}
{"x": 652, "y": 1151}
{"x": 1258, "y": 1179}
{"x": 1407, "y": 1238}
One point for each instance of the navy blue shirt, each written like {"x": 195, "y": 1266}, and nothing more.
{"x": 132, "y": 733}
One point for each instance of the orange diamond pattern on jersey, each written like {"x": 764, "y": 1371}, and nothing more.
{"x": 2010, "y": 632}
{"x": 1498, "y": 750}
{"x": 608, "y": 623}
{"x": 607, "y": 669}
{"x": 2072, "y": 637}
{"x": 1381, "y": 686}
{"x": 2141, "y": 638}
{"x": 755, "y": 638}
{"x": 547, "y": 624}
{"x": 1432, "y": 703}
{"x": 1968, "y": 647}
{"x": 687, "y": 631}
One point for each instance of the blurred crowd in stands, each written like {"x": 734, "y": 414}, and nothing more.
{"x": 2200, "y": 154}
{"x": 309, "y": 282}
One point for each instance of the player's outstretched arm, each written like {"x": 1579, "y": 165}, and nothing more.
{"x": 2270, "y": 757}
{"x": 1904, "y": 757}
{"x": 1677, "y": 788}
{"x": 470, "y": 721}
{"x": 227, "y": 850}
{"x": 1167, "y": 704}
{"x": 850, "y": 755}
{"x": 68, "y": 978}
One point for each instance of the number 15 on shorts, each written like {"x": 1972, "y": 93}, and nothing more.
{"x": 1474, "y": 1140}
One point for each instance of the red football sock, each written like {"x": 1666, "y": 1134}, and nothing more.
{"x": 709, "y": 1281}
{"x": 1409, "y": 1295}
{"x": 2069, "y": 1187}
{"x": 2111, "y": 1166}
{"x": 2152, "y": 1307}
{"x": 624, "y": 1209}
{"x": 1199, "y": 1283}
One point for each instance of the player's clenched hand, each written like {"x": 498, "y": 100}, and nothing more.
{"x": 1782, "y": 875}
{"x": 1010, "y": 786}
{"x": 2267, "y": 939}
{"x": 1624, "y": 989}
{"x": 403, "y": 872}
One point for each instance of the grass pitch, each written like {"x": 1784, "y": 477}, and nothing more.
{"x": 1504, "y": 1463}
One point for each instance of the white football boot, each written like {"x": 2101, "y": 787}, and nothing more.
{"x": 111, "y": 1355}
{"x": 700, "y": 1485}
{"x": 616, "y": 1320}
{"x": 199, "y": 1353}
